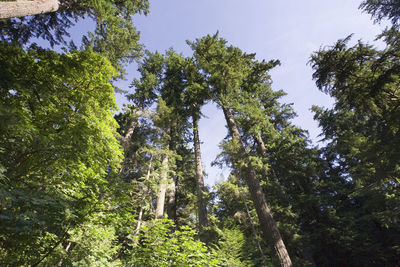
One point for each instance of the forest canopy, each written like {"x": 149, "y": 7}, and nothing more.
{"x": 84, "y": 185}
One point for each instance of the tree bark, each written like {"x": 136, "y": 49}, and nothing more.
{"x": 261, "y": 145}
{"x": 201, "y": 205}
{"x": 306, "y": 251}
{"x": 162, "y": 190}
{"x": 128, "y": 135}
{"x": 171, "y": 189}
{"x": 171, "y": 203}
{"x": 267, "y": 222}
{"x": 21, "y": 8}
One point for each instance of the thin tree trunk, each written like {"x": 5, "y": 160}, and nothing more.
{"x": 138, "y": 226}
{"x": 22, "y": 8}
{"x": 267, "y": 222}
{"x": 163, "y": 188}
{"x": 201, "y": 205}
{"x": 145, "y": 191}
{"x": 66, "y": 250}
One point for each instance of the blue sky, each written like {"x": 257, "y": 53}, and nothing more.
{"x": 288, "y": 30}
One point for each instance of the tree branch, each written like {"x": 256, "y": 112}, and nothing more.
{"x": 21, "y": 8}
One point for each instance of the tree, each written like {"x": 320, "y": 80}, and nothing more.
{"x": 160, "y": 246}
{"x": 362, "y": 134}
{"x": 196, "y": 94}
{"x": 227, "y": 68}
{"x": 381, "y": 9}
{"x": 58, "y": 147}
{"x": 145, "y": 88}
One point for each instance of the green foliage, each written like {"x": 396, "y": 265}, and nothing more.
{"x": 114, "y": 35}
{"x": 65, "y": 200}
{"x": 230, "y": 249}
{"x": 380, "y": 9}
{"x": 93, "y": 243}
{"x": 148, "y": 85}
{"x": 359, "y": 190}
{"x": 160, "y": 245}
{"x": 58, "y": 146}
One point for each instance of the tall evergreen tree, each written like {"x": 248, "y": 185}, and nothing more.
{"x": 196, "y": 94}
{"x": 227, "y": 68}
{"x": 362, "y": 135}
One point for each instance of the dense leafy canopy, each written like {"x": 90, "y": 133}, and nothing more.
{"x": 58, "y": 144}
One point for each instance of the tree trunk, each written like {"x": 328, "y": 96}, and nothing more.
{"x": 171, "y": 189}
{"x": 162, "y": 190}
{"x": 142, "y": 203}
{"x": 171, "y": 204}
{"x": 201, "y": 205}
{"x": 267, "y": 222}
{"x": 128, "y": 135}
{"x": 21, "y": 8}
{"x": 137, "y": 229}
{"x": 306, "y": 251}
{"x": 261, "y": 145}
{"x": 66, "y": 251}
{"x": 253, "y": 229}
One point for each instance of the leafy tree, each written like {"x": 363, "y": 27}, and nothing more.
{"x": 58, "y": 147}
{"x": 146, "y": 89}
{"x": 161, "y": 247}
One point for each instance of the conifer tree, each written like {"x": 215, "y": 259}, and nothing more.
{"x": 227, "y": 67}
{"x": 196, "y": 94}
{"x": 361, "y": 132}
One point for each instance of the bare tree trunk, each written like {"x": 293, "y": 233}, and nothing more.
{"x": 267, "y": 222}
{"x": 163, "y": 188}
{"x": 261, "y": 145}
{"x": 138, "y": 226}
{"x": 128, "y": 135}
{"x": 171, "y": 203}
{"x": 171, "y": 189}
{"x": 201, "y": 205}
{"x": 66, "y": 250}
{"x": 125, "y": 140}
{"x": 21, "y": 8}
{"x": 141, "y": 203}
